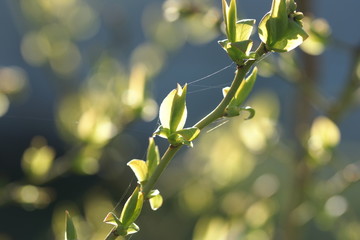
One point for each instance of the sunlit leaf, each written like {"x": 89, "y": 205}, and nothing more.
{"x": 281, "y": 32}
{"x": 189, "y": 133}
{"x": 166, "y": 109}
{"x": 132, "y": 208}
{"x": 112, "y": 219}
{"x": 140, "y": 169}
{"x": 156, "y": 202}
{"x": 70, "y": 231}
{"x": 225, "y": 9}
{"x": 133, "y": 228}
{"x": 237, "y": 51}
{"x": 153, "y": 157}
{"x": 250, "y": 110}
{"x": 162, "y": 132}
{"x": 244, "y": 46}
{"x": 234, "y": 108}
{"x": 224, "y": 44}
{"x": 173, "y": 110}
{"x": 231, "y": 23}
{"x": 245, "y": 87}
{"x": 244, "y": 29}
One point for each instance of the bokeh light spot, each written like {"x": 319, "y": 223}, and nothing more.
{"x": 336, "y": 206}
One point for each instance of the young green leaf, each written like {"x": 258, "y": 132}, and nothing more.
{"x": 237, "y": 51}
{"x": 132, "y": 208}
{"x": 244, "y": 46}
{"x": 245, "y": 88}
{"x": 244, "y": 29}
{"x": 173, "y": 110}
{"x": 231, "y": 21}
{"x": 133, "y": 228}
{"x": 153, "y": 157}
{"x": 189, "y": 134}
{"x": 155, "y": 200}
{"x": 184, "y": 136}
{"x": 225, "y": 9}
{"x": 140, "y": 169}
{"x": 70, "y": 231}
{"x": 112, "y": 219}
{"x": 281, "y": 30}
{"x": 162, "y": 132}
{"x": 234, "y": 108}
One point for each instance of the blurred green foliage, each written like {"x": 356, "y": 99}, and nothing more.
{"x": 244, "y": 180}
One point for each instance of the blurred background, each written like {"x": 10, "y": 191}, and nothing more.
{"x": 80, "y": 86}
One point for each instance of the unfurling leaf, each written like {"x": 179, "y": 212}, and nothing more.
{"x": 152, "y": 157}
{"x": 244, "y": 29}
{"x": 189, "y": 134}
{"x": 132, "y": 208}
{"x": 237, "y": 51}
{"x": 140, "y": 169}
{"x": 112, "y": 219}
{"x": 245, "y": 87}
{"x": 155, "y": 199}
{"x": 70, "y": 231}
{"x": 281, "y": 30}
{"x": 133, "y": 228}
{"x": 234, "y": 108}
{"x": 162, "y": 132}
{"x": 250, "y": 110}
{"x": 237, "y": 45}
{"x": 173, "y": 110}
{"x": 184, "y": 136}
{"x": 230, "y": 18}
{"x": 120, "y": 229}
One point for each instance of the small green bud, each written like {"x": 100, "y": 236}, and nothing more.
{"x": 298, "y": 16}
{"x": 155, "y": 199}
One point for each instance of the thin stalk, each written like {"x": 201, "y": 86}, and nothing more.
{"x": 112, "y": 235}
{"x": 239, "y": 76}
{"x": 166, "y": 158}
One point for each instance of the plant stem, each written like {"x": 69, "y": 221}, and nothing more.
{"x": 166, "y": 158}
{"x": 218, "y": 112}
{"x": 239, "y": 76}
{"x": 112, "y": 235}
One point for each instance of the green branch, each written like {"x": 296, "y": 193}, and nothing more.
{"x": 166, "y": 158}
{"x": 278, "y": 34}
{"x": 217, "y": 113}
